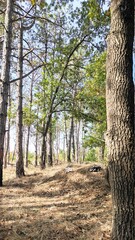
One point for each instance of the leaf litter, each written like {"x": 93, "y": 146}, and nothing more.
{"x": 62, "y": 203}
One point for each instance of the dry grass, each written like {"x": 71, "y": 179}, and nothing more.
{"x": 55, "y": 204}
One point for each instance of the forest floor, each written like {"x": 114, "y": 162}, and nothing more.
{"x": 58, "y": 203}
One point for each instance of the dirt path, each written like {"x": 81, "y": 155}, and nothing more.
{"x": 59, "y": 203}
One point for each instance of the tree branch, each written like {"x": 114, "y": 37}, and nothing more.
{"x": 27, "y": 74}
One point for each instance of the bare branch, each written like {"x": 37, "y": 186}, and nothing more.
{"x": 31, "y": 50}
{"x": 27, "y": 74}
{"x": 44, "y": 18}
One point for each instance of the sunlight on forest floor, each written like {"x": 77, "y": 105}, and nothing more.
{"x": 55, "y": 204}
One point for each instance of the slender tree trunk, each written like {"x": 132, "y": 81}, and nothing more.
{"x": 70, "y": 141}
{"x": 19, "y": 133}
{"x": 45, "y": 124}
{"x": 83, "y": 149}
{"x": 77, "y": 141}
{"x": 64, "y": 148}
{"x": 43, "y": 153}
{"x": 2, "y": 7}
{"x": 7, "y": 136}
{"x": 101, "y": 152}
{"x": 66, "y": 138}
{"x": 36, "y": 141}
{"x": 36, "y": 149}
{"x": 5, "y": 80}
{"x": 27, "y": 147}
{"x": 50, "y": 156}
{"x": 29, "y": 126}
{"x": 57, "y": 143}
{"x": 73, "y": 140}
{"x": 120, "y": 118}
{"x": 9, "y": 126}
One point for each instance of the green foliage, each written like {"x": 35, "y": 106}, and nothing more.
{"x": 28, "y": 116}
{"x": 31, "y": 157}
{"x": 80, "y": 90}
{"x": 97, "y": 15}
{"x": 91, "y": 156}
{"x": 92, "y": 97}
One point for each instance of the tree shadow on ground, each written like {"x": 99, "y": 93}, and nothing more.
{"x": 64, "y": 206}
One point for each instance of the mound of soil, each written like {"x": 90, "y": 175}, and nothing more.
{"x": 62, "y": 203}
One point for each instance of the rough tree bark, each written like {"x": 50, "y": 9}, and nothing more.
{"x": 5, "y": 80}
{"x": 120, "y": 117}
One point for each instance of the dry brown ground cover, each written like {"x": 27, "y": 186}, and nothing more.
{"x": 55, "y": 204}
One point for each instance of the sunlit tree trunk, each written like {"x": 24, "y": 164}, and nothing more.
{"x": 5, "y": 80}
{"x": 120, "y": 118}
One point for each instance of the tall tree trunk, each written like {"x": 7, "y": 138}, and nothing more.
{"x": 57, "y": 143}
{"x": 120, "y": 117}
{"x": 66, "y": 137}
{"x": 19, "y": 145}
{"x": 19, "y": 132}
{"x": 2, "y": 7}
{"x": 50, "y": 156}
{"x": 9, "y": 126}
{"x": 77, "y": 141}
{"x": 70, "y": 141}
{"x": 27, "y": 147}
{"x": 29, "y": 126}
{"x": 45, "y": 124}
{"x": 83, "y": 149}
{"x": 101, "y": 152}
{"x": 73, "y": 140}
{"x": 5, "y": 80}
{"x": 43, "y": 153}
{"x": 7, "y": 136}
{"x": 36, "y": 149}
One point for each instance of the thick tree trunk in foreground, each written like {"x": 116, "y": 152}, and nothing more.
{"x": 120, "y": 118}
{"x": 5, "y": 80}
